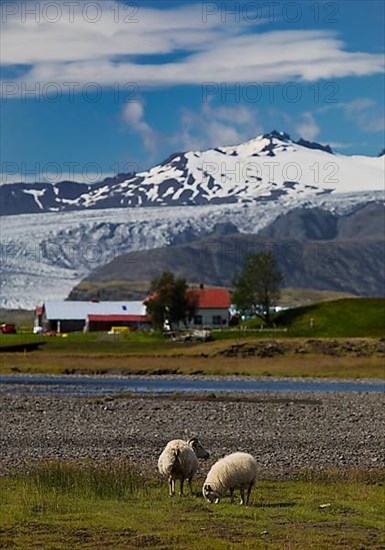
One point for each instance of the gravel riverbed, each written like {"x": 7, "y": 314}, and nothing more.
{"x": 284, "y": 431}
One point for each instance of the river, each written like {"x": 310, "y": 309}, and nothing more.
{"x": 101, "y": 385}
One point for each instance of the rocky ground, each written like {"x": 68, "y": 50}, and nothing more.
{"x": 329, "y": 347}
{"x": 285, "y": 432}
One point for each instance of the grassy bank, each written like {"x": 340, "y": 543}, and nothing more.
{"x": 60, "y": 506}
{"x": 340, "y": 339}
{"x": 318, "y": 366}
{"x": 251, "y": 356}
{"x": 340, "y": 318}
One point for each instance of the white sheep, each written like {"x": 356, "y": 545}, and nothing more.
{"x": 235, "y": 471}
{"x": 179, "y": 461}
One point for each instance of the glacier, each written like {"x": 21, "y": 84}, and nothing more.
{"x": 60, "y": 233}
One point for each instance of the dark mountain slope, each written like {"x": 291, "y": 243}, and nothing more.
{"x": 367, "y": 221}
{"x": 313, "y": 248}
{"x": 344, "y": 266}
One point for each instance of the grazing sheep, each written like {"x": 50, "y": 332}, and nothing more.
{"x": 179, "y": 461}
{"x": 235, "y": 471}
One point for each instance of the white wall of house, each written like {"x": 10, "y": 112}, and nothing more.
{"x": 211, "y": 317}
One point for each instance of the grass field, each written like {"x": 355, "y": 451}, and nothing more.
{"x": 349, "y": 334}
{"x": 346, "y": 318}
{"x": 91, "y": 354}
{"x": 314, "y": 366}
{"x": 60, "y": 506}
{"x": 340, "y": 318}
{"x": 151, "y": 354}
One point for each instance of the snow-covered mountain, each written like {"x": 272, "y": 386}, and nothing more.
{"x": 52, "y": 236}
{"x": 269, "y": 167}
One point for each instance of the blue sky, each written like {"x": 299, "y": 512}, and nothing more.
{"x": 94, "y": 88}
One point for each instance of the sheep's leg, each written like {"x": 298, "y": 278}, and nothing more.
{"x": 249, "y": 493}
{"x": 242, "y": 491}
{"x": 231, "y": 496}
{"x": 190, "y": 485}
{"x": 171, "y": 483}
{"x": 181, "y": 488}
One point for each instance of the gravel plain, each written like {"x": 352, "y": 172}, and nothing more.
{"x": 284, "y": 431}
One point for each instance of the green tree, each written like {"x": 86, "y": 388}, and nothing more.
{"x": 256, "y": 287}
{"x": 171, "y": 301}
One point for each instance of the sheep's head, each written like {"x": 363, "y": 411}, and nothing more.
{"x": 209, "y": 494}
{"x": 198, "y": 448}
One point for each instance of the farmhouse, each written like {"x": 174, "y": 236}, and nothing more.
{"x": 89, "y": 316}
{"x": 213, "y": 307}
{"x": 66, "y": 316}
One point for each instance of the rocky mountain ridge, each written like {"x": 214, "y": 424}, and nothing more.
{"x": 269, "y": 167}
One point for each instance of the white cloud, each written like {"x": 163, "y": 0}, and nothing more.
{"x": 365, "y": 112}
{"x": 109, "y": 51}
{"x": 336, "y": 145}
{"x": 197, "y": 129}
{"x": 308, "y": 128}
{"x": 373, "y": 124}
{"x": 73, "y": 37}
{"x": 133, "y": 116}
{"x": 217, "y": 126}
{"x": 358, "y": 105}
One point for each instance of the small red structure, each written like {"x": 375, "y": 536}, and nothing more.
{"x": 106, "y": 322}
{"x": 7, "y": 328}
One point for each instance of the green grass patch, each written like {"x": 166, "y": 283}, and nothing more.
{"x": 338, "y": 339}
{"x": 296, "y": 357}
{"x": 304, "y": 366}
{"x": 358, "y": 317}
{"x": 61, "y": 506}
{"x": 346, "y": 318}
{"x": 93, "y": 342}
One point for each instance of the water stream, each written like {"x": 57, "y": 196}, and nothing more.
{"x": 102, "y": 385}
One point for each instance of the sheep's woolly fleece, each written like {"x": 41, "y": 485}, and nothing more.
{"x": 234, "y": 471}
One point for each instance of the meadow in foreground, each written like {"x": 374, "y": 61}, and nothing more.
{"x": 114, "y": 505}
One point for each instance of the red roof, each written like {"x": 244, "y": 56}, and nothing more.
{"x": 135, "y": 318}
{"x": 39, "y": 310}
{"x": 208, "y": 297}
{"x": 213, "y": 298}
